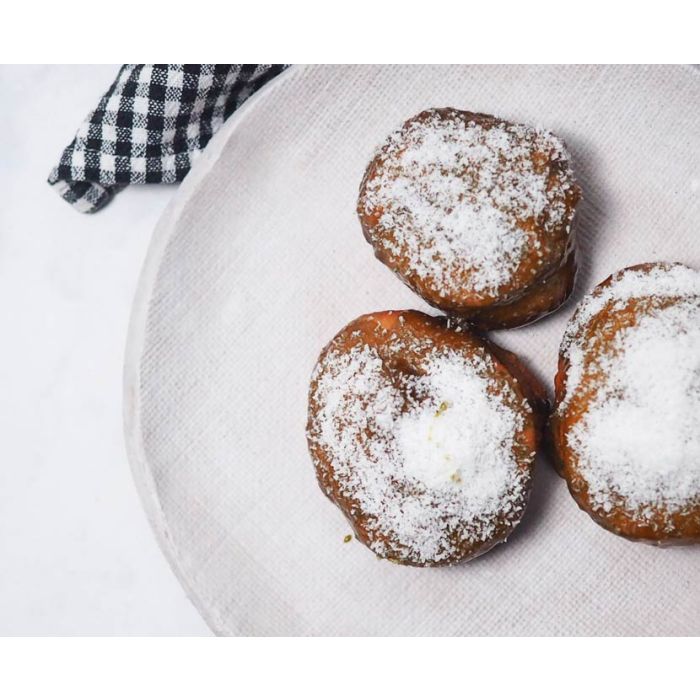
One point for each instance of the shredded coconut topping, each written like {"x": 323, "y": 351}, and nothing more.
{"x": 662, "y": 281}
{"x": 430, "y": 461}
{"x": 458, "y": 199}
{"x": 638, "y": 443}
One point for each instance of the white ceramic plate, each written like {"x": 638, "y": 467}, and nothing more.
{"x": 260, "y": 260}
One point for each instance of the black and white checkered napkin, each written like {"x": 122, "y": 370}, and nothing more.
{"x": 150, "y": 126}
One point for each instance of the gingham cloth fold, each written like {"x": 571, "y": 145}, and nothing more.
{"x": 150, "y": 125}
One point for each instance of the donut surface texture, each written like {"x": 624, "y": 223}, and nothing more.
{"x": 472, "y": 212}
{"x": 424, "y": 436}
{"x": 626, "y": 422}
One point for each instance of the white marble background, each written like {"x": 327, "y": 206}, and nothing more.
{"x": 77, "y": 555}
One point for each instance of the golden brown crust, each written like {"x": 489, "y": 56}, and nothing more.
{"x": 543, "y": 275}
{"x": 380, "y": 331}
{"x": 659, "y": 525}
{"x": 542, "y": 299}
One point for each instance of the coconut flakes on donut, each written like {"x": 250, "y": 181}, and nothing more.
{"x": 453, "y": 197}
{"x": 443, "y": 464}
{"x": 639, "y": 440}
{"x": 664, "y": 280}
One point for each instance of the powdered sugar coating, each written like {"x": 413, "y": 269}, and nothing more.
{"x": 637, "y": 444}
{"x": 429, "y": 459}
{"x": 464, "y": 201}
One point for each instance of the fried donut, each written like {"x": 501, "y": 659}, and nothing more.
{"x": 626, "y": 422}
{"x": 424, "y": 436}
{"x": 474, "y": 214}
{"x": 544, "y": 297}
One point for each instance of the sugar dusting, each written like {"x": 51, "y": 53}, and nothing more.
{"x": 664, "y": 280}
{"x": 638, "y": 445}
{"x": 426, "y": 461}
{"x": 454, "y": 197}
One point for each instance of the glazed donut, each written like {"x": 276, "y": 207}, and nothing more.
{"x": 474, "y": 214}
{"x": 424, "y": 436}
{"x": 626, "y": 422}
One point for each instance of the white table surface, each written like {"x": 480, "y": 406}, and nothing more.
{"x": 77, "y": 555}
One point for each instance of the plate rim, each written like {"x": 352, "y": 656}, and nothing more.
{"x": 136, "y": 336}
